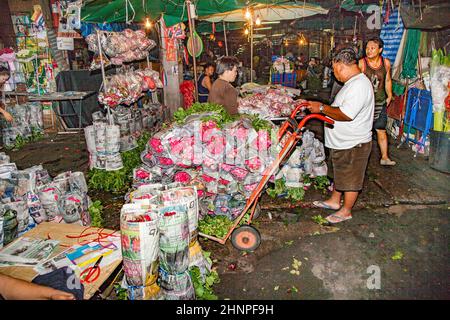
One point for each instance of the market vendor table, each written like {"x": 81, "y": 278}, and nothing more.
{"x": 59, "y": 231}
{"x": 70, "y": 96}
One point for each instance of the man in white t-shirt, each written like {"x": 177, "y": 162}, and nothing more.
{"x": 350, "y": 140}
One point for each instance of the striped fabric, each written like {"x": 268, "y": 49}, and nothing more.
{"x": 391, "y": 34}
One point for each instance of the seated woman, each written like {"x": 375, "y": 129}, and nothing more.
{"x": 204, "y": 82}
{"x": 222, "y": 92}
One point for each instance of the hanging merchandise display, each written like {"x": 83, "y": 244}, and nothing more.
{"x": 103, "y": 145}
{"x": 410, "y": 54}
{"x": 128, "y": 86}
{"x": 391, "y": 33}
{"x": 120, "y": 47}
{"x": 36, "y": 66}
{"x": 440, "y": 90}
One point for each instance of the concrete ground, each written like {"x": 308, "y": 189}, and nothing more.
{"x": 399, "y": 231}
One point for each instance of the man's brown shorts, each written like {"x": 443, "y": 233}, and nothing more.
{"x": 349, "y": 166}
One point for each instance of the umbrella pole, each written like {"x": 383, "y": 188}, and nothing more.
{"x": 251, "y": 49}
{"x": 194, "y": 47}
{"x": 225, "y": 38}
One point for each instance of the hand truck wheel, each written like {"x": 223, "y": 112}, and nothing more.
{"x": 246, "y": 238}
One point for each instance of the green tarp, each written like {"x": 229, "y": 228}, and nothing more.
{"x": 174, "y": 11}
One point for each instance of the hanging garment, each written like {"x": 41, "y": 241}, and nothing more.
{"x": 411, "y": 53}
{"x": 391, "y": 34}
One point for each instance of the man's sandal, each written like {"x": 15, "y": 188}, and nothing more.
{"x": 323, "y": 205}
{"x": 338, "y": 218}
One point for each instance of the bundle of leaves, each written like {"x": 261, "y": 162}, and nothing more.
{"x": 217, "y": 226}
{"x": 281, "y": 190}
{"x": 219, "y": 115}
{"x": 20, "y": 141}
{"x": 95, "y": 211}
{"x": 204, "y": 285}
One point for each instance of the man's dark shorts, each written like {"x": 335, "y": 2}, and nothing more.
{"x": 381, "y": 122}
{"x": 349, "y": 166}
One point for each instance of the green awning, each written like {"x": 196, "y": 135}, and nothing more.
{"x": 174, "y": 11}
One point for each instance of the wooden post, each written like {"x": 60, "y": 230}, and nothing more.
{"x": 172, "y": 95}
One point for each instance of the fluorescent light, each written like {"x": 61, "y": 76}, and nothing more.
{"x": 270, "y": 22}
{"x": 278, "y": 35}
{"x": 259, "y": 36}
{"x": 264, "y": 28}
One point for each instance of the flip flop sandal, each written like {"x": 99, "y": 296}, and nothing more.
{"x": 339, "y": 218}
{"x": 322, "y": 205}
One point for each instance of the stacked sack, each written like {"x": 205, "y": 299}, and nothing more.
{"x": 30, "y": 196}
{"x": 306, "y": 160}
{"x": 127, "y": 87}
{"x": 120, "y": 47}
{"x": 224, "y": 164}
{"x": 159, "y": 242}
{"x": 28, "y": 123}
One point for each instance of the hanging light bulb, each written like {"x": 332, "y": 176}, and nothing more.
{"x": 246, "y": 31}
{"x": 148, "y": 23}
{"x": 247, "y": 14}
{"x": 258, "y": 21}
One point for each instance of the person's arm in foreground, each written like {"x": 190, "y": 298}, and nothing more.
{"x": 5, "y": 114}
{"x": 16, "y": 289}
{"x": 388, "y": 82}
{"x": 332, "y": 112}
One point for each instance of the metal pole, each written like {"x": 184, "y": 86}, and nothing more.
{"x": 251, "y": 49}
{"x": 103, "y": 71}
{"x": 194, "y": 47}
{"x": 225, "y": 36}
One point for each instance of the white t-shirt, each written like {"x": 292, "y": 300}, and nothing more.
{"x": 356, "y": 101}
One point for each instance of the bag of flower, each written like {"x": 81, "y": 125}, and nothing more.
{"x": 112, "y": 144}
{"x": 35, "y": 208}
{"x": 50, "y": 197}
{"x": 139, "y": 240}
{"x": 10, "y": 225}
{"x": 176, "y": 286}
{"x": 174, "y": 238}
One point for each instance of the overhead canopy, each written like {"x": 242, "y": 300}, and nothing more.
{"x": 266, "y": 12}
{"x": 174, "y": 11}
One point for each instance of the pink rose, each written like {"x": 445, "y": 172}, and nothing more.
{"x": 224, "y": 181}
{"x": 207, "y": 178}
{"x": 165, "y": 161}
{"x": 156, "y": 145}
{"x": 182, "y": 177}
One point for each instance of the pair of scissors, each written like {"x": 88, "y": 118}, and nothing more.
{"x": 91, "y": 274}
